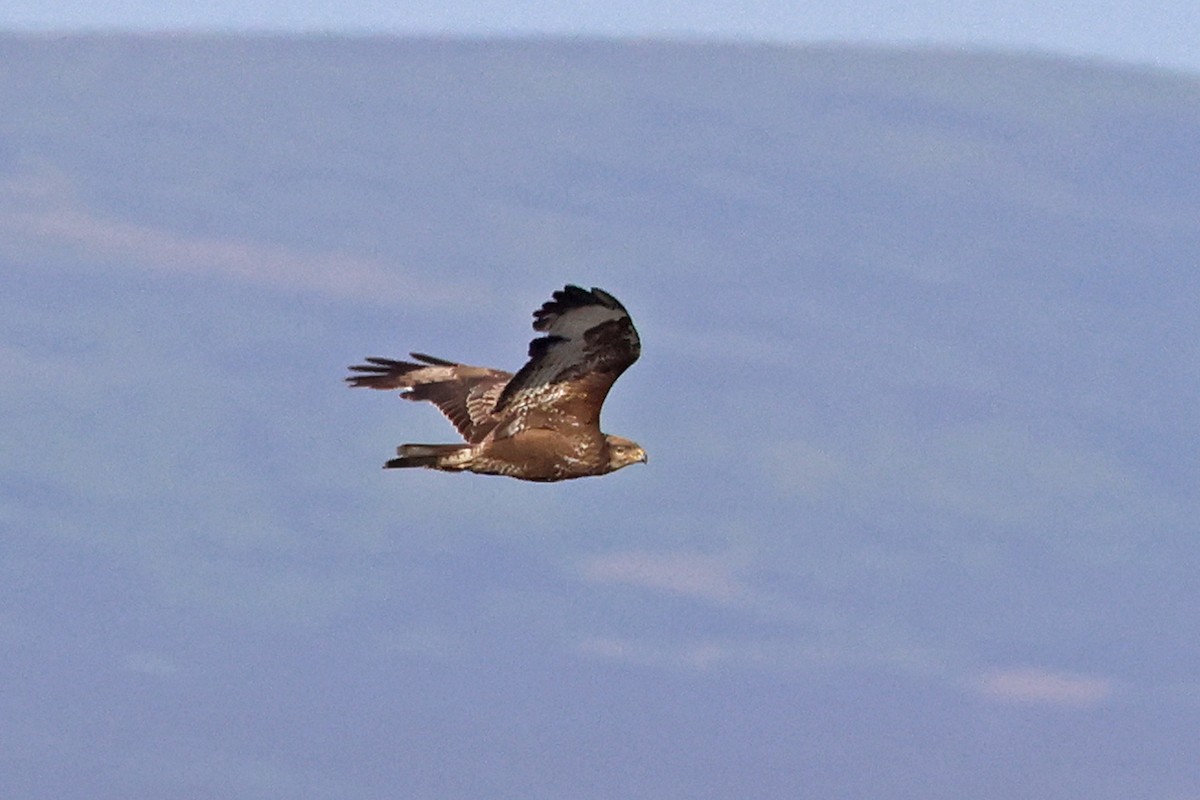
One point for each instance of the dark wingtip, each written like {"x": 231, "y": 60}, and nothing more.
{"x": 380, "y": 373}
{"x": 437, "y": 362}
{"x": 572, "y": 297}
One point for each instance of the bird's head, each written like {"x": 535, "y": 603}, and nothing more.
{"x": 622, "y": 452}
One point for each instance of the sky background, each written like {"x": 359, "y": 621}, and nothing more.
{"x": 918, "y": 386}
{"x": 1161, "y": 33}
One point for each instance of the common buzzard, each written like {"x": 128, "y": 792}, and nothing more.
{"x": 542, "y": 424}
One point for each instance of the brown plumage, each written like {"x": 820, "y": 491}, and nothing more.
{"x": 541, "y": 424}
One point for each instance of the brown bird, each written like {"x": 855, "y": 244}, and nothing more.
{"x": 542, "y": 424}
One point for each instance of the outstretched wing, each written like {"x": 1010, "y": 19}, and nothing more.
{"x": 589, "y": 341}
{"x": 465, "y": 394}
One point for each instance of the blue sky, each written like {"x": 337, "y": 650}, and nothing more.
{"x": 1160, "y": 33}
{"x": 918, "y": 389}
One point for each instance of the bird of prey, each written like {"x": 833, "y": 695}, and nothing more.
{"x": 541, "y": 424}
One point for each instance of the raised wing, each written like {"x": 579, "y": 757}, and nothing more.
{"x": 465, "y": 394}
{"x": 589, "y": 341}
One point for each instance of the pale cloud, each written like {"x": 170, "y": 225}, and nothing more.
{"x": 701, "y": 655}
{"x": 39, "y": 214}
{"x": 1021, "y": 685}
{"x": 1041, "y": 686}
{"x": 697, "y": 575}
{"x": 822, "y": 634}
{"x": 789, "y": 654}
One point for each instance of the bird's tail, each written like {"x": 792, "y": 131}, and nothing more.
{"x": 434, "y": 456}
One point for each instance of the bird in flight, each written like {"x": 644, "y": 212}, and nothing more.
{"x": 541, "y": 424}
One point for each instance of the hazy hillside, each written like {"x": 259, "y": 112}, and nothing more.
{"x": 919, "y": 391}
